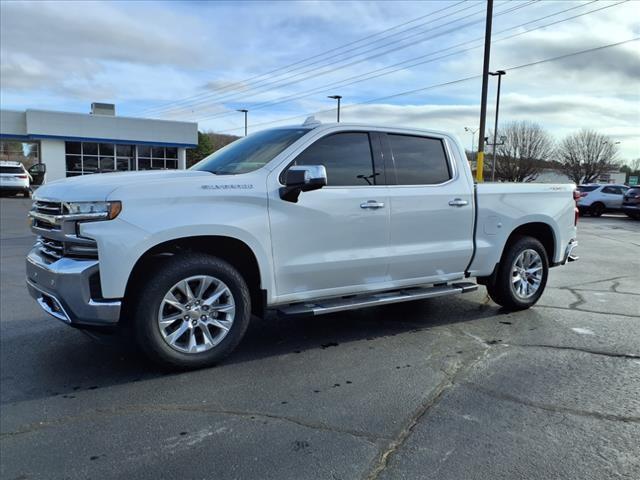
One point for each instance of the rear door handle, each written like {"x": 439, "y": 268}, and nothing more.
{"x": 458, "y": 202}
{"x": 372, "y": 204}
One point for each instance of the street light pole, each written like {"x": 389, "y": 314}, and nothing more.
{"x": 244, "y": 110}
{"x": 337, "y": 97}
{"x": 473, "y": 136}
{"x": 483, "y": 100}
{"x": 499, "y": 74}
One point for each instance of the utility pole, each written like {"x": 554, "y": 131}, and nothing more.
{"x": 483, "y": 101}
{"x": 244, "y": 110}
{"x": 499, "y": 74}
{"x": 337, "y": 97}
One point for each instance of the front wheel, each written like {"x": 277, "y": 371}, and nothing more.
{"x": 193, "y": 311}
{"x": 521, "y": 276}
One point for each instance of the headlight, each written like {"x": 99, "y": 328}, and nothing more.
{"x": 93, "y": 210}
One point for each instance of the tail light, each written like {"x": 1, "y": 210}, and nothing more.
{"x": 577, "y": 195}
{"x": 21, "y": 176}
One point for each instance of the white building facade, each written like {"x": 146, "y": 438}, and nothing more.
{"x": 72, "y": 144}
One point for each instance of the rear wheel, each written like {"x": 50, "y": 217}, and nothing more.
{"x": 597, "y": 209}
{"x": 521, "y": 276}
{"x": 193, "y": 313}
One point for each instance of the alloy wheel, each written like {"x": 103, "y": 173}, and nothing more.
{"x": 526, "y": 274}
{"x": 196, "y": 314}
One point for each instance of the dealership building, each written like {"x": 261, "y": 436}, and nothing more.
{"x": 72, "y": 144}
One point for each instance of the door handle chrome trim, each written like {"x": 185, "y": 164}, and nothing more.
{"x": 458, "y": 202}
{"x": 372, "y": 204}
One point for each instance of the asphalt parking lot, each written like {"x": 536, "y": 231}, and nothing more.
{"x": 451, "y": 388}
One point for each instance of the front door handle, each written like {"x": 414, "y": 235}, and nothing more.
{"x": 372, "y": 204}
{"x": 458, "y": 202}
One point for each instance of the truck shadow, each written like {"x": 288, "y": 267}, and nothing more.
{"x": 73, "y": 362}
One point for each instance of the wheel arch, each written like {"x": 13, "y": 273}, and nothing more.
{"x": 541, "y": 231}
{"x": 230, "y": 249}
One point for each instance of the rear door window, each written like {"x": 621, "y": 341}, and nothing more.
{"x": 419, "y": 160}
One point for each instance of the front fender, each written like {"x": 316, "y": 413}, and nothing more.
{"x": 123, "y": 241}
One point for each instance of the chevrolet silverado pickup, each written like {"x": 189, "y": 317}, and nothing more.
{"x": 303, "y": 220}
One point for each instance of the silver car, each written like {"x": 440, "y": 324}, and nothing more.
{"x": 598, "y": 198}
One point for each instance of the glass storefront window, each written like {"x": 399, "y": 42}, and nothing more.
{"x": 27, "y": 153}
{"x": 83, "y": 158}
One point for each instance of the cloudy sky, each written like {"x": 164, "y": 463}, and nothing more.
{"x": 401, "y": 63}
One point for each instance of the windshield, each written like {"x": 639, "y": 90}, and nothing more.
{"x": 250, "y": 153}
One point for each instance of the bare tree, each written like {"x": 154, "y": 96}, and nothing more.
{"x": 527, "y": 146}
{"x": 586, "y": 155}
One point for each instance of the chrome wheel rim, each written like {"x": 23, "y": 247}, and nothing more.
{"x": 196, "y": 314}
{"x": 526, "y": 274}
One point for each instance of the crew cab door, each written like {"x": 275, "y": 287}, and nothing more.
{"x": 431, "y": 229}
{"x": 333, "y": 240}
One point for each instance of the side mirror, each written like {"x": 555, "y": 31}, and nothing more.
{"x": 303, "y": 179}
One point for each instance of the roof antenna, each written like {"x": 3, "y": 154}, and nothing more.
{"x": 311, "y": 122}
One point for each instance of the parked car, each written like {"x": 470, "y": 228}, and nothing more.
{"x": 14, "y": 179}
{"x": 631, "y": 202}
{"x": 596, "y": 199}
{"x": 304, "y": 220}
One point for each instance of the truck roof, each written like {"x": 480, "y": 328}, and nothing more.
{"x": 312, "y": 124}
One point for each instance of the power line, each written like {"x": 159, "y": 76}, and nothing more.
{"x": 249, "y": 84}
{"x": 326, "y": 52}
{"x": 276, "y": 83}
{"x": 369, "y": 76}
{"x": 452, "y": 82}
{"x": 316, "y": 71}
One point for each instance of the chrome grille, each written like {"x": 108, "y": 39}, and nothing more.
{"x": 51, "y": 248}
{"x": 49, "y": 208}
{"x": 58, "y": 233}
{"x": 44, "y": 214}
{"x": 55, "y": 249}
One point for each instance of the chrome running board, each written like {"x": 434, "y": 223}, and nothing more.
{"x": 331, "y": 305}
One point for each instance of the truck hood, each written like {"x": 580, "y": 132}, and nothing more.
{"x": 98, "y": 187}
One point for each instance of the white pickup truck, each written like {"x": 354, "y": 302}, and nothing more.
{"x": 305, "y": 220}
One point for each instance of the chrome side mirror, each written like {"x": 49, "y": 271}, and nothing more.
{"x": 303, "y": 178}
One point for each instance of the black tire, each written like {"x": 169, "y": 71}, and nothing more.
{"x": 501, "y": 289}
{"x": 159, "y": 282}
{"x": 597, "y": 209}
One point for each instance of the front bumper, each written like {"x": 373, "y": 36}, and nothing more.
{"x": 633, "y": 208}
{"x": 14, "y": 188}
{"x": 62, "y": 289}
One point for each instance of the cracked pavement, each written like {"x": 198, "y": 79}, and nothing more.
{"x": 451, "y": 388}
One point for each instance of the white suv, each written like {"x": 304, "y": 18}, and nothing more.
{"x": 14, "y": 178}
{"x": 597, "y": 199}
